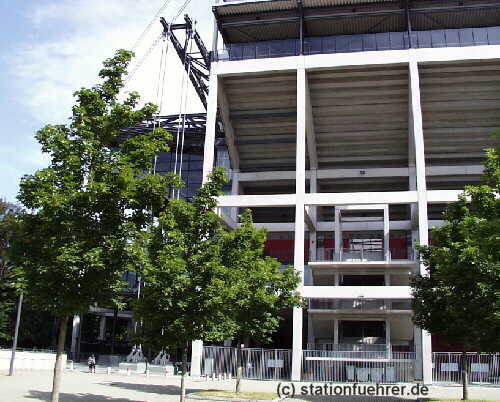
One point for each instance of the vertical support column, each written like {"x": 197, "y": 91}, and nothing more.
{"x": 102, "y": 328}
{"x": 387, "y": 255}
{"x": 300, "y": 188}
{"x": 235, "y": 189}
{"x": 215, "y": 38}
{"x": 313, "y": 188}
{"x": 336, "y": 331}
{"x": 209, "y": 148}
{"x": 338, "y": 235}
{"x": 196, "y": 356}
{"x": 310, "y": 330}
{"x": 75, "y": 337}
{"x": 423, "y": 224}
{"x": 208, "y": 164}
{"x": 387, "y": 333}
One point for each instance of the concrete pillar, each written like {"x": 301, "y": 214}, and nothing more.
{"x": 300, "y": 188}
{"x": 417, "y": 340}
{"x": 313, "y": 188}
{"x": 75, "y": 337}
{"x": 338, "y": 235}
{"x": 209, "y": 147}
{"x": 388, "y": 333}
{"x": 235, "y": 190}
{"x": 423, "y": 224}
{"x": 196, "y": 357}
{"x": 208, "y": 164}
{"x": 310, "y": 329}
{"x": 335, "y": 331}
{"x": 102, "y": 328}
{"x": 387, "y": 255}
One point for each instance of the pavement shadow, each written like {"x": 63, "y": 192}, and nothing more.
{"x": 151, "y": 388}
{"x": 65, "y": 397}
{"x": 349, "y": 398}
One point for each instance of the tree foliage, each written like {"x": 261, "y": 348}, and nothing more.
{"x": 90, "y": 206}
{"x": 8, "y": 231}
{"x": 93, "y": 200}
{"x": 459, "y": 299}
{"x": 205, "y": 282}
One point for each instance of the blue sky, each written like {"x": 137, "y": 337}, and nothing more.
{"x": 50, "y": 48}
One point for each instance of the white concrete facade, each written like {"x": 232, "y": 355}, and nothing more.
{"x": 309, "y": 168}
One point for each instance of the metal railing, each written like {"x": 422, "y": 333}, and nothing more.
{"x": 331, "y": 366}
{"x": 363, "y": 42}
{"x": 349, "y": 347}
{"x": 483, "y": 368}
{"x": 364, "y": 255}
{"x": 347, "y": 304}
{"x": 359, "y": 304}
{"x": 256, "y": 363}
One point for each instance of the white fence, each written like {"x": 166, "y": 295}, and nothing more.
{"x": 347, "y": 366}
{"x": 29, "y": 360}
{"x": 332, "y": 366}
{"x": 483, "y": 368}
{"x": 256, "y": 363}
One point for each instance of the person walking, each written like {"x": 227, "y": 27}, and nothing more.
{"x": 91, "y": 364}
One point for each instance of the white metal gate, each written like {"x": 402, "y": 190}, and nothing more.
{"x": 256, "y": 363}
{"x": 483, "y": 368}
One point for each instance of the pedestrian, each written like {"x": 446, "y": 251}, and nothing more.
{"x": 91, "y": 363}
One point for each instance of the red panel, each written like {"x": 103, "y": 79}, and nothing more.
{"x": 283, "y": 250}
{"x": 398, "y": 249}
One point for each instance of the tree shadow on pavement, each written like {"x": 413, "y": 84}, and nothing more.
{"x": 349, "y": 398}
{"x": 65, "y": 397}
{"x": 151, "y": 388}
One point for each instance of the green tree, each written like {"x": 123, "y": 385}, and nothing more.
{"x": 459, "y": 298}
{"x": 205, "y": 282}
{"x": 90, "y": 206}
{"x": 8, "y": 230}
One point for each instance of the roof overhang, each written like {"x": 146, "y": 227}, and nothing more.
{"x": 263, "y": 20}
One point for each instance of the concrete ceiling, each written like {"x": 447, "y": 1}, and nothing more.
{"x": 461, "y": 108}
{"x": 361, "y": 116}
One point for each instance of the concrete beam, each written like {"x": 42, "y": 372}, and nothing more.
{"x": 267, "y": 200}
{"x": 468, "y": 170}
{"x": 355, "y": 292}
{"x": 209, "y": 147}
{"x": 347, "y": 226}
{"x": 362, "y": 207}
{"x": 340, "y": 199}
{"x": 442, "y": 196}
{"x": 366, "y": 198}
{"x": 311, "y": 62}
{"x": 309, "y": 221}
{"x": 225, "y": 114}
{"x": 310, "y": 132}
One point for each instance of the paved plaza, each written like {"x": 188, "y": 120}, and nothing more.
{"x": 84, "y": 387}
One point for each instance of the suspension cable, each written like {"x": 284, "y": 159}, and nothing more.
{"x": 160, "y": 90}
{"x": 184, "y": 116}
{"x": 148, "y": 27}
{"x": 181, "y": 100}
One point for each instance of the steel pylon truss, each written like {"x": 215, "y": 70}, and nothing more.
{"x": 194, "y": 129}
{"x": 196, "y": 61}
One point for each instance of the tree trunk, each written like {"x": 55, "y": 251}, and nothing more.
{"x": 239, "y": 367}
{"x": 465, "y": 385}
{"x": 183, "y": 374}
{"x": 56, "y": 384}
{"x": 113, "y": 333}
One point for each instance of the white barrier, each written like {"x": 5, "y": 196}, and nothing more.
{"x": 29, "y": 360}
